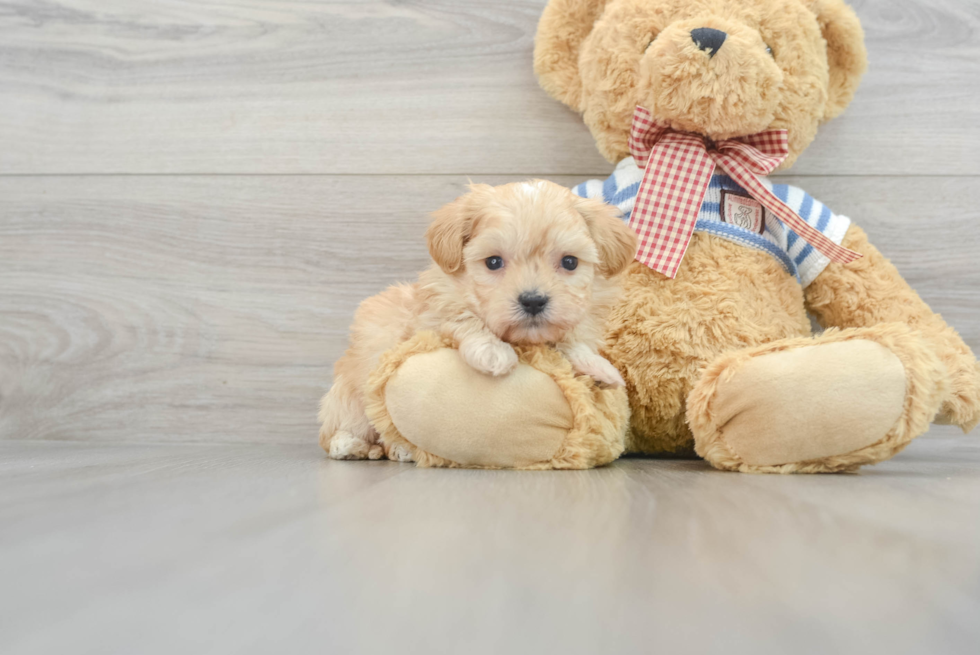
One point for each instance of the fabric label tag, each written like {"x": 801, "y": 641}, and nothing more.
{"x": 742, "y": 211}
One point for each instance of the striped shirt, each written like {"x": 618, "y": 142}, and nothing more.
{"x": 799, "y": 258}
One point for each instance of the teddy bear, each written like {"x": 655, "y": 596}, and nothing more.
{"x": 696, "y": 102}
{"x": 713, "y": 336}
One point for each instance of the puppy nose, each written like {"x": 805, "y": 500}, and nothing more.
{"x": 706, "y": 38}
{"x": 532, "y": 303}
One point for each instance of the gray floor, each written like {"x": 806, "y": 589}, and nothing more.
{"x": 172, "y": 548}
{"x": 194, "y": 196}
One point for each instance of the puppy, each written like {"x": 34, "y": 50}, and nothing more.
{"x": 523, "y": 263}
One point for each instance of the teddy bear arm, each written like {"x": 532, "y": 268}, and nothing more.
{"x": 871, "y": 291}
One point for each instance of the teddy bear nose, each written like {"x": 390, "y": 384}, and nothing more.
{"x": 708, "y": 39}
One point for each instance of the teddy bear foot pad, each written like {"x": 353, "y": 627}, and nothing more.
{"x": 424, "y": 398}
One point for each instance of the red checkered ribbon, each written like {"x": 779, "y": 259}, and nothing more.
{"x": 679, "y": 166}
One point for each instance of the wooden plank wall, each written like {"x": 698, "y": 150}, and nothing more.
{"x": 195, "y": 196}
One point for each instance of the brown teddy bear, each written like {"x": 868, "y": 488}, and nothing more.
{"x": 715, "y": 344}
{"x": 712, "y": 335}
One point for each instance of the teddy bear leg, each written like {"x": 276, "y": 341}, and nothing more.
{"x": 825, "y": 404}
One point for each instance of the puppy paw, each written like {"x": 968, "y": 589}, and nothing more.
{"x": 599, "y": 369}
{"x": 399, "y": 453}
{"x": 344, "y": 445}
{"x": 490, "y": 357}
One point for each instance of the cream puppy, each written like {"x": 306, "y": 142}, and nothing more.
{"x": 523, "y": 263}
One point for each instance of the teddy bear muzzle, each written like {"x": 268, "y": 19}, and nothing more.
{"x": 710, "y": 76}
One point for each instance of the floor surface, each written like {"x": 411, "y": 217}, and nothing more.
{"x": 168, "y": 548}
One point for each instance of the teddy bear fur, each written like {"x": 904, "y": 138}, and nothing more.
{"x": 594, "y": 435}
{"x": 602, "y": 58}
{"x": 675, "y": 339}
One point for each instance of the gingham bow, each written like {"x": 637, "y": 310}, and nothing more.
{"x": 679, "y": 166}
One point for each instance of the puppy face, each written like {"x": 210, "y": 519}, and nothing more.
{"x": 527, "y": 257}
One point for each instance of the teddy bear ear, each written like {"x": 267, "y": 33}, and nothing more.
{"x": 846, "y": 53}
{"x": 561, "y": 30}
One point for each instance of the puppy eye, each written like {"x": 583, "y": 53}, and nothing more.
{"x": 769, "y": 50}
{"x": 652, "y": 39}
{"x": 493, "y": 263}
{"x": 569, "y": 263}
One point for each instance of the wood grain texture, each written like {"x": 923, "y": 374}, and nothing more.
{"x": 157, "y": 294}
{"x": 245, "y": 549}
{"x": 212, "y": 308}
{"x": 429, "y": 87}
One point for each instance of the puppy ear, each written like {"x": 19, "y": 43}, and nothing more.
{"x": 448, "y": 233}
{"x": 846, "y": 55}
{"x": 561, "y": 30}
{"x": 614, "y": 239}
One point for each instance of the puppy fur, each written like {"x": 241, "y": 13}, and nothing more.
{"x": 532, "y": 227}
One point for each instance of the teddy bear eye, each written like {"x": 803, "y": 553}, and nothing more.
{"x": 769, "y": 50}
{"x": 650, "y": 43}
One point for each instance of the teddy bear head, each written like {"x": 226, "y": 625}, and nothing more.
{"x": 719, "y": 68}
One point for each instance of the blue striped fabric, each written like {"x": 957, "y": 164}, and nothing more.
{"x": 798, "y": 257}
